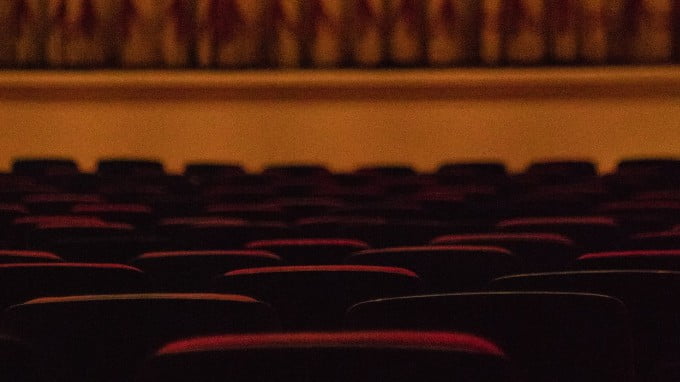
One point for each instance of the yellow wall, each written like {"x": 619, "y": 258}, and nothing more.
{"x": 342, "y": 132}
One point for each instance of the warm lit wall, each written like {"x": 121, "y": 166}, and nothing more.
{"x": 342, "y": 119}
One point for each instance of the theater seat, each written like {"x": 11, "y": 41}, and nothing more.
{"x": 650, "y": 297}
{"x": 315, "y": 297}
{"x": 58, "y": 203}
{"x": 222, "y": 233}
{"x": 332, "y": 357}
{"x": 641, "y": 259}
{"x": 44, "y": 166}
{"x": 655, "y": 240}
{"x": 589, "y": 232}
{"x": 207, "y": 171}
{"x": 139, "y": 215}
{"x": 193, "y": 270}
{"x": 296, "y": 171}
{"x": 553, "y": 337}
{"x": 130, "y": 167}
{"x": 22, "y": 282}
{"x": 105, "y": 337}
{"x": 24, "y": 256}
{"x": 444, "y": 268}
{"x": 91, "y": 241}
{"x": 535, "y": 251}
{"x": 310, "y": 251}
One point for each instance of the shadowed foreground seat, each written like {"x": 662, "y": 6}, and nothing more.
{"x": 17, "y": 361}
{"x": 332, "y": 357}
{"x": 650, "y": 296}
{"x": 552, "y": 336}
{"x": 105, "y": 337}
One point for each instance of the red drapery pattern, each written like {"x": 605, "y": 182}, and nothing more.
{"x": 224, "y": 20}
{"x": 22, "y": 13}
{"x": 181, "y": 13}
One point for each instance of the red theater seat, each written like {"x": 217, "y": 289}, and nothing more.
{"x": 643, "y": 215}
{"x": 310, "y": 251}
{"x": 556, "y": 337}
{"x": 252, "y": 212}
{"x": 25, "y": 281}
{"x": 105, "y": 337}
{"x": 317, "y": 296}
{"x": 642, "y": 259}
{"x": 95, "y": 242}
{"x": 589, "y": 232}
{"x": 193, "y": 270}
{"x": 333, "y": 357}
{"x": 378, "y": 232}
{"x": 444, "y": 268}
{"x": 535, "y": 251}
{"x": 135, "y": 214}
{"x": 221, "y": 233}
{"x": 24, "y": 256}
{"x": 655, "y": 240}
{"x": 58, "y": 203}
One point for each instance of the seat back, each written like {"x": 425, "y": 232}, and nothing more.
{"x": 535, "y": 251}
{"x": 333, "y": 357}
{"x": 444, "y": 268}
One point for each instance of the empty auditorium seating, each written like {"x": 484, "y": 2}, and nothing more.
{"x": 444, "y": 268}
{"x": 336, "y": 357}
{"x": 310, "y": 251}
{"x": 316, "y": 297}
{"x": 105, "y": 337}
{"x": 100, "y": 269}
{"x": 193, "y": 270}
{"x": 552, "y": 336}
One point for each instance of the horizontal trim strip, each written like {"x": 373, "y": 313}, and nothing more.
{"x": 525, "y": 83}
